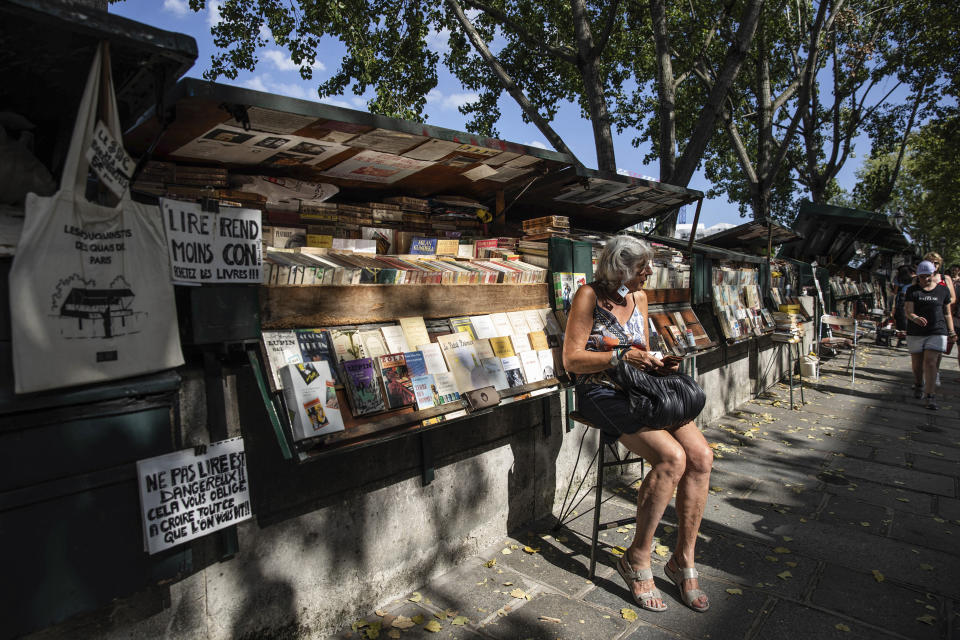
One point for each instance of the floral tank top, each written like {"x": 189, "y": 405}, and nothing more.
{"x": 607, "y": 333}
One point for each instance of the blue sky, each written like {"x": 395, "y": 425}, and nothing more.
{"x": 276, "y": 73}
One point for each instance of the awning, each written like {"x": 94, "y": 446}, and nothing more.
{"x": 255, "y": 132}
{"x": 751, "y": 236}
{"x": 829, "y": 234}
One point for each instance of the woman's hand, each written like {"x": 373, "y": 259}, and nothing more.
{"x": 643, "y": 360}
{"x": 918, "y": 319}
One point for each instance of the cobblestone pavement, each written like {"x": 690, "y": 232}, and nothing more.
{"x": 837, "y": 520}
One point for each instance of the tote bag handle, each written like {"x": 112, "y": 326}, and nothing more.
{"x": 99, "y": 88}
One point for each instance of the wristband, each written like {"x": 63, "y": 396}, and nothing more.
{"x": 614, "y": 359}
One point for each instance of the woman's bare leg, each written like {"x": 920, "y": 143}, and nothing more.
{"x": 667, "y": 463}
{"x": 691, "y": 499}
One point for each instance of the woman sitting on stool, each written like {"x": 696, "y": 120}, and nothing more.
{"x": 614, "y": 306}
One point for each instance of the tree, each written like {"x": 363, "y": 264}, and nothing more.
{"x": 771, "y": 94}
{"x": 856, "y": 62}
{"x": 927, "y": 193}
{"x": 698, "y": 50}
{"x": 547, "y": 53}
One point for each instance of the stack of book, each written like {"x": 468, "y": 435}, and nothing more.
{"x": 669, "y": 269}
{"x": 788, "y": 327}
{"x": 534, "y": 252}
{"x": 546, "y": 227}
{"x": 314, "y": 266}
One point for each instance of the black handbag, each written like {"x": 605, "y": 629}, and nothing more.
{"x": 660, "y": 401}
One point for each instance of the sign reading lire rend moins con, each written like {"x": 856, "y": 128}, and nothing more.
{"x": 212, "y": 247}
{"x": 185, "y": 495}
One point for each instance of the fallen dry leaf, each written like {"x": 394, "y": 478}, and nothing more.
{"x": 508, "y": 584}
{"x": 771, "y": 558}
{"x": 402, "y": 622}
{"x": 735, "y": 592}
{"x": 416, "y": 597}
{"x": 784, "y": 575}
{"x": 518, "y": 593}
{"x": 506, "y": 551}
{"x": 373, "y": 631}
{"x": 549, "y": 619}
{"x": 433, "y": 626}
{"x": 380, "y": 612}
{"x": 662, "y": 550}
{"x": 359, "y": 624}
{"x": 781, "y": 550}
{"x": 460, "y": 621}
{"x": 628, "y": 614}
{"x": 490, "y": 563}
{"x": 618, "y": 551}
{"x": 841, "y": 627}
{"x": 417, "y": 619}
{"x": 927, "y": 619}
{"x": 878, "y": 576}
{"x": 926, "y": 567}
{"x": 531, "y": 550}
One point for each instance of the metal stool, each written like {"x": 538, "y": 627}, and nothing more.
{"x": 602, "y": 463}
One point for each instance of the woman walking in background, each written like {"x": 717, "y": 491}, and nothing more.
{"x": 614, "y": 308}
{"x": 927, "y": 305}
{"x": 942, "y": 280}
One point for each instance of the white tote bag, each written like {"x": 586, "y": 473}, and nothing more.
{"x": 90, "y": 295}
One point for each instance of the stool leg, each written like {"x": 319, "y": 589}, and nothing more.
{"x": 596, "y": 511}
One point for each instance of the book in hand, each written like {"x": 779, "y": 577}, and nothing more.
{"x": 398, "y": 390}
{"x": 363, "y": 386}
{"x": 311, "y": 398}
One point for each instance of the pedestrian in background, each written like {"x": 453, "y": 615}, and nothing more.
{"x": 930, "y": 329}
{"x": 946, "y": 281}
{"x": 904, "y": 280}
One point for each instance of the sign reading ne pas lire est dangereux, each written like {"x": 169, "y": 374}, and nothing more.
{"x": 184, "y": 495}
{"x": 212, "y": 247}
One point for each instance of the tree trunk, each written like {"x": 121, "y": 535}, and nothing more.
{"x": 593, "y": 87}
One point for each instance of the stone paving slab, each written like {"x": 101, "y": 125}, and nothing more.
{"x": 736, "y": 611}
{"x": 891, "y": 606}
{"x": 578, "y": 621}
{"x": 862, "y": 478}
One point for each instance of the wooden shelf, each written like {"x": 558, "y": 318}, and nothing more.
{"x": 396, "y": 424}
{"x": 290, "y": 307}
{"x": 667, "y": 296}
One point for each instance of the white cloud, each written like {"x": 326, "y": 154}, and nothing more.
{"x": 456, "y": 100}
{"x": 213, "y": 13}
{"x": 265, "y": 33}
{"x": 256, "y": 83}
{"x": 282, "y": 61}
{"x": 438, "y": 41}
{"x": 536, "y": 144}
{"x": 293, "y": 90}
{"x": 358, "y": 102}
{"x": 178, "y": 8}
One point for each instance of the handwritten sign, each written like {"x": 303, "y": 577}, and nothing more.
{"x": 185, "y": 496}
{"x": 212, "y": 247}
{"x": 109, "y": 161}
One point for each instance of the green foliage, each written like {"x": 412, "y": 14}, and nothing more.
{"x": 927, "y": 190}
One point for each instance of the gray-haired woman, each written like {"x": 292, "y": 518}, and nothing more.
{"x": 610, "y": 311}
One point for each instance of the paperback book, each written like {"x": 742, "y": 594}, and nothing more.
{"x": 347, "y": 345}
{"x": 398, "y": 390}
{"x": 513, "y": 370}
{"x": 463, "y": 362}
{"x": 311, "y": 398}
{"x": 393, "y": 336}
{"x": 280, "y": 348}
{"x": 315, "y": 347}
{"x": 363, "y": 387}
{"x": 433, "y": 358}
{"x": 464, "y": 325}
{"x": 416, "y": 364}
{"x": 415, "y": 331}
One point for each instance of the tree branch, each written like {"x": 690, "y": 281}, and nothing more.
{"x": 738, "y": 146}
{"x": 508, "y": 83}
{"x": 565, "y": 53}
{"x": 601, "y": 43}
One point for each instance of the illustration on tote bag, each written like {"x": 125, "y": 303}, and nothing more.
{"x": 90, "y": 282}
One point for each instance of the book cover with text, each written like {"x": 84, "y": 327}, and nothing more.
{"x": 363, "y": 386}
{"x": 398, "y": 390}
{"x": 311, "y": 398}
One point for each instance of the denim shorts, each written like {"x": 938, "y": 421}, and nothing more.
{"x": 919, "y": 344}
{"x": 608, "y": 409}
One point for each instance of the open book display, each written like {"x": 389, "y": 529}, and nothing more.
{"x": 437, "y": 363}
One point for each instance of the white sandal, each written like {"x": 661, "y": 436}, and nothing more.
{"x": 692, "y": 595}
{"x": 629, "y": 575}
